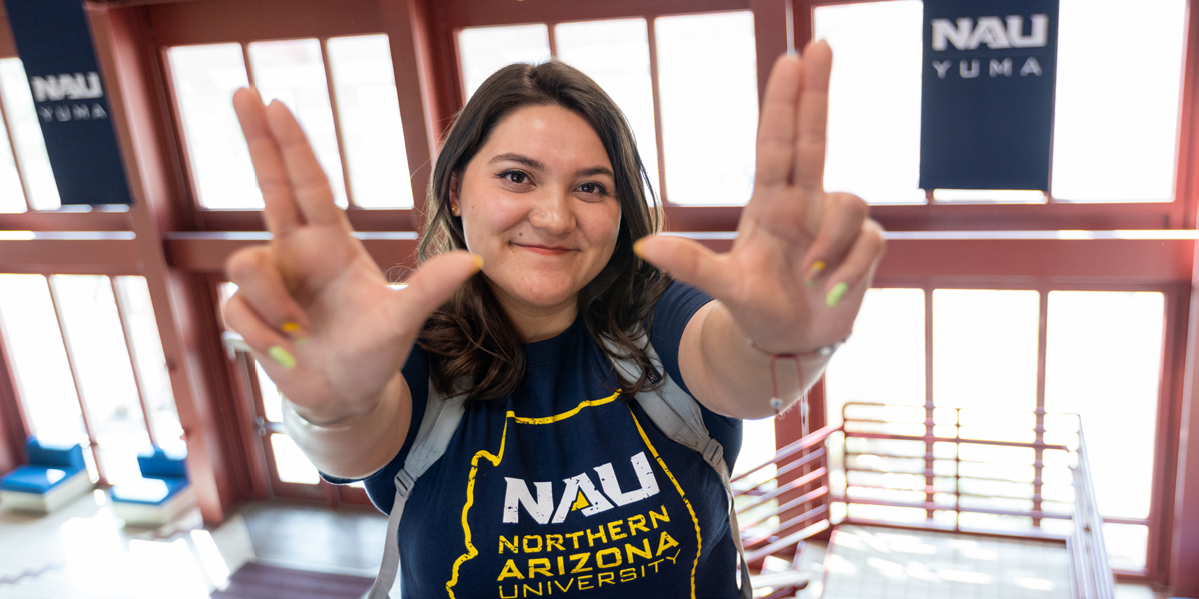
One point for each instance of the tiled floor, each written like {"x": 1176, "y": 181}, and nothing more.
{"x": 84, "y": 552}
{"x": 876, "y": 563}
{"x": 868, "y": 562}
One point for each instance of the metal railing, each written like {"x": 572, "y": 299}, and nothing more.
{"x": 950, "y": 469}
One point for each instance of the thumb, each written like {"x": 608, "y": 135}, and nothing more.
{"x": 432, "y": 284}
{"x": 688, "y": 261}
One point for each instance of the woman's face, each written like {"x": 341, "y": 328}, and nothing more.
{"x": 537, "y": 204}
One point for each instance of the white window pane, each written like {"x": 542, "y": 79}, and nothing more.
{"x": 1116, "y": 119}
{"x": 707, "y": 82}
{"x": 1127, "y": 544}
{"x": 92, "y": 329}
{"x": 484, "y": 50}
{"x": 874, "y": 99}
{"x": 371, "y": 131}
{"x": 994, "y": 196}
{"x": 291, "y": 463}
{"x": 985, "y": 348}
{"x": 615, "y": 54}
{"x": 12, "y": 197}
{"x": 204, "y": 79}
{"x": 272, "y": 400}
{"x": 293, "y": 72}
{"x": 27, "y": 136}
{"x": 39, "y": 359}
{"x": 148, "y": 358}
{"x": 883, "y": 361}
{"x": 1103, "y": 363}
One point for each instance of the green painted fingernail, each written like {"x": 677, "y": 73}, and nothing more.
{"x": 282, "y": 357}
{"x": 835, "y": 294}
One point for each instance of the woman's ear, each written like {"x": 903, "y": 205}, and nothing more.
{"x": 455, "y": 182}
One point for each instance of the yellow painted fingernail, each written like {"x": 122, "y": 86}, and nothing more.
{"x": 814, "y": 271}
{"x": 478, "y": 261}
{"x": 296, "y": 332}
{"x": 282, "y": 357}
{"x": 637, "y": 245}
{"x": 835, "y": 294}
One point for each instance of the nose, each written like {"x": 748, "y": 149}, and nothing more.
{"x": 552, "y": 212}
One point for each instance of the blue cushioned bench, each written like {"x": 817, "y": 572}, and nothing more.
{"x": 56, "y": 475}
{"x": 162, "y": 493}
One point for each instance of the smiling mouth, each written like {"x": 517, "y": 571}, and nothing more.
{"x": 543, "y": 250}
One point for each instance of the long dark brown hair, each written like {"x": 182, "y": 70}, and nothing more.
{"x": 470, "y": 338}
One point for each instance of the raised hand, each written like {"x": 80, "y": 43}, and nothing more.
{"x": 803, "y": 257}
{"x": 313, "y": 305}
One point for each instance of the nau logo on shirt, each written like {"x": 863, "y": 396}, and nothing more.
{"x": 580, "y": 493}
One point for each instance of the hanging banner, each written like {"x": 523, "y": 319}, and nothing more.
{"x": 986, "y": 114}
{"x": 55, "y": 46}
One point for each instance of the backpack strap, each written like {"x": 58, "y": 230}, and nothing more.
{"x": 679, "y": 417}
{"x": 441, "y": 419}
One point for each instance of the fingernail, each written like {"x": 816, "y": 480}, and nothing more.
{"x": 814, "y": 271}
{"x": 296, "y": 332}
{"x": 637, "y": 245}
{"x": 282, "y": 357}
{"x": 478, "y": 261}
{"x": 835, "y": 294}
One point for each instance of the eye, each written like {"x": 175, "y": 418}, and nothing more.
{"x": 593, "y": 188}
{"x": 517, "y": 177}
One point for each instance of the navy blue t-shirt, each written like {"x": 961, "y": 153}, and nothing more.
{"x": 562, "y": 490}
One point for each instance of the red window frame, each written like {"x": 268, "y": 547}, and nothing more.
{"x": 178, "y": 247}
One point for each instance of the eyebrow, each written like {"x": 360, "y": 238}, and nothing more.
{"x": 537, "y": 165}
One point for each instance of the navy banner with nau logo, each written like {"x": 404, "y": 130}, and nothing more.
{"x": 55, "y": 46}
{"x": 987, "y": 105}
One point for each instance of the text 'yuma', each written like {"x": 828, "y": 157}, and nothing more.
{"x": 73, "y": 112}
{"x": 967, "y": 34}
{"x": 970, "y": 69}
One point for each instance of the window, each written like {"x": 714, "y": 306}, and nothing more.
{"x": 352, "y": 121}
{"x": 1116, "y": 107}
{"x": 89, "y": 366}
{"x": 1102, "y": 361}
{"x": 689, "y": 90}
{"x": 26, "y": 179}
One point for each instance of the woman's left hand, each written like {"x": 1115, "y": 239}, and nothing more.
{"x": 803, "y": 257}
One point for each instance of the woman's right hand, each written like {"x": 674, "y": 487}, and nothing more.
{"x": 313, "y": 305}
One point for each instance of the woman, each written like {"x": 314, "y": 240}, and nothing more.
{"x": 553, "y": 482}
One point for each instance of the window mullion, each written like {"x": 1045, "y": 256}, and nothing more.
{"x": 245, "y": 57}
{"x": 553, "y": 39}
{"x": 93, "y": 444}
{"x": 652, "y": 39}
{"x": 137, "y": 379}
{"x": 12, "y": 144}
{"x": 341, "y": 146}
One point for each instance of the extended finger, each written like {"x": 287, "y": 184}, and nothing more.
{"x": 429, "y": 287}
{"x": 812, "y": 122}
{"x": 281, "y": 213}
{"x": 261, "y": 284}
{"x": 308, "y": 180}
{"x": 776, "y": 128}
{"x": 841, "y": 220}
{"x": 688, "y": 261}
{"x": 264, "y": 340}
{"x": 859, "y": 264}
